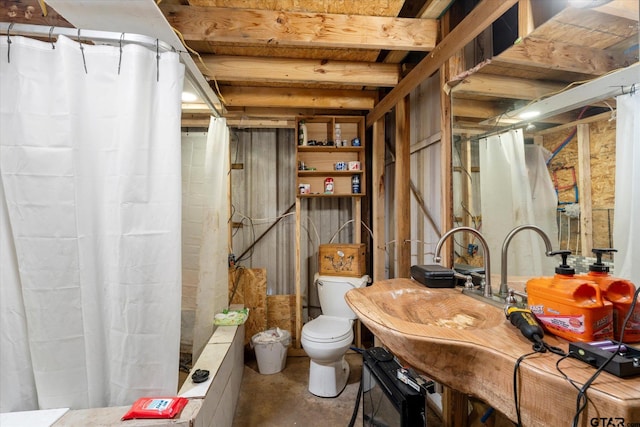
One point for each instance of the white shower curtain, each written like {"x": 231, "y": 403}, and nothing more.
{"x": 515, "y": 189}
{"x": 212, "y": 270}
{"x": 626, "y": 229}
{"x": 90, "y": 238}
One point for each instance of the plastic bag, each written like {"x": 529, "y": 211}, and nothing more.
{"x": 156, "y": 407}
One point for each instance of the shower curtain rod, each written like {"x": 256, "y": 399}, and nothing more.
{"x": 11, "y": 29}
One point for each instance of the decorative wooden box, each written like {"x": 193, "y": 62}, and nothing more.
{"x": 342, "y": 259}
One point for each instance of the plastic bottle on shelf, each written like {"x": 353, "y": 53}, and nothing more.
{"x": 355, "y": 184}
{"x": 302, "y": 133}
{"x": 338, "y": 134}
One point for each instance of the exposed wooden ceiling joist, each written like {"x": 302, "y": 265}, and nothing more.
{"x": 268, "y": 70}
{"x": 556, "y": 55}
{"x": 473, "y": 24}
{"x": 298, "y": 98}
{"x": 239, "y": 122}
{"x": 433, "y": 9}
{"x": 476, "y": 109}
{"x": 505, "y": 87}
{"x": 292, "y": 29}
{"x": 279, "y": 113}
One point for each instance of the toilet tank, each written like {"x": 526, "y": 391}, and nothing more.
{"x": 331, "y": 291}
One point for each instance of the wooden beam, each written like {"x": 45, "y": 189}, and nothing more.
{"x": 279, "y": 113}
{"x": 298, "y": 98}
{"x": 482, "y": 84}
{"x": 473, "y": 24}
{"x": 433, "y": 9}
{"x": 537, "y": 52}
{"x": 289, "y": 70}
{"x": 261, "y": 123}
{"x": 377, "y": 200}
{"x": 584, "y": 188}
{"x": 202, "y": 122}
{"x": 476, "y": 109}
{"x": 268, "y": 27}
{"x": 195, "y": 108}
{"x": 402, "y": 188}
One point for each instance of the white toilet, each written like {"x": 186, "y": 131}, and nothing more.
{"x": 328, "y": 337}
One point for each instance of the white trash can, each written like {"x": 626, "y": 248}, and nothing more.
{"x": 271, "y": 350}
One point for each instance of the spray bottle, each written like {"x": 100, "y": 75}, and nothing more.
{"x": 302, "y": 133}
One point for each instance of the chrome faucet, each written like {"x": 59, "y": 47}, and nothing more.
{"x": 485, "y": 248}
{"x": 504, "y": 289}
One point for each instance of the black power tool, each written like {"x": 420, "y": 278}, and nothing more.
{"x": 524, "y": 320}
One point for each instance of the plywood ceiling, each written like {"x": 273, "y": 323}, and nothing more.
{"x": 275, "y": 59}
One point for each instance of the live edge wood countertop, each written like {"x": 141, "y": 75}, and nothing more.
{"x": 478, "y": 358}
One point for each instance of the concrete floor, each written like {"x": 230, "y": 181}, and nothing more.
{"x": 283, "y": 399}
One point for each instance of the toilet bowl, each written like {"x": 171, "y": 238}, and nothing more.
{"x": 327, "y": 338}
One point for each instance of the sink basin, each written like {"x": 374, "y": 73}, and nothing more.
{"x": 443, "y": 310}
{"x": 412, "y": 309}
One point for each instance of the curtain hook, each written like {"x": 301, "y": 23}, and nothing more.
{"x": 120, "y": 59}
{"x": 53, "y": 46}
{"x": 9, "y": 43}
{"x": 84, "y": 60}
{"x": 157, "y": 60}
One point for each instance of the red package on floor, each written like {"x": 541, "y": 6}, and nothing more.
{"x": 156, "y": 407}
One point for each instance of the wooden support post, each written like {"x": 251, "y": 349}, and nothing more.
{"x": 377, "y": 198}
{"x": 357, "y": 220}
{"x": 466, "y": 189}
{"x": 298, "y": 276}
{"x": 584, "y": 188}
{"x": 455, "y": 408}
{"x": 403, "y": 189}
{"x": 450, "y": 67}
{"x": 229, "y": 201}
{"x": 454, "y": 404}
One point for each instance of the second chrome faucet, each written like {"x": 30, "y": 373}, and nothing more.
{"x": 504, "y": 289}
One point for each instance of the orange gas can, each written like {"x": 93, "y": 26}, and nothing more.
{"x": 620, "y": 293}
{"x": 568, "y": 307}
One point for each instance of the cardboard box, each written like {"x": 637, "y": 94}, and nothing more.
{"x": 342, "y": 260}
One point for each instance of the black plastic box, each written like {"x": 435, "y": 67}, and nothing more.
{"x": 433, "y": 275}
{"x": 622, "y": 365}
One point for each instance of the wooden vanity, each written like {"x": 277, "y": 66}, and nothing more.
{"x": 469, "y": 346}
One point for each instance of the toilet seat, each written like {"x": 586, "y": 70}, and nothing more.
{"x": 326, "y": 329}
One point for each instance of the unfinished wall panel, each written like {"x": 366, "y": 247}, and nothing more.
{"x": 565, "y": 174}
{"x": 249, "y": 288}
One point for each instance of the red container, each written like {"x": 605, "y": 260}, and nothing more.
{"x": 328, "y": 186}
{"x": 620, "y": 292}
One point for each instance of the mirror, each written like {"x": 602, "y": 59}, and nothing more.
{"x": 509, "y": 169}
